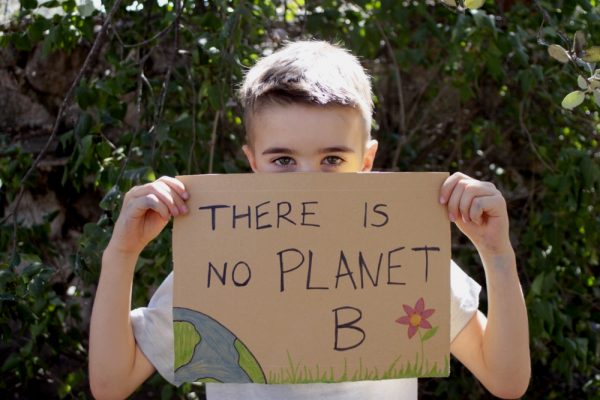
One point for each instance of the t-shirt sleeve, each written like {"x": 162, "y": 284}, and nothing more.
{"x": 464, "y": 301}
{"x": 153, "y": 329}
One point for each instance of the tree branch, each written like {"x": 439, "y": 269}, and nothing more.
{"x": 213, "y": 141}
{"x": 528, "y": 134}
{"x": 398, "y": 78}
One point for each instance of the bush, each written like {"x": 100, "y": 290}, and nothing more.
{"x": 474, "y": 91}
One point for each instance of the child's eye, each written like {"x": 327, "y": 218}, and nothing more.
{"x": 332, "y": 160}
{"x": 283, "y": 161}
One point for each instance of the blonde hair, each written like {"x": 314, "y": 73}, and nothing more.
{"x": 308, "y": 72}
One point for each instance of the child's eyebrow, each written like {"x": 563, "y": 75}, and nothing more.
{"x": 336, "y": 149}
{"x": 285, "y": 150}
{"x": 277, "y": 150}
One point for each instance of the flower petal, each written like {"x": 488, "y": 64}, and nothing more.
{"x": 425, "y": 324}
{"x": 405, "y": 320}
{"x": 408, "y": 309}
{"x": 411, "y": 331}
{"x": 420, "y": 306}
{"x": 427, "y": 313}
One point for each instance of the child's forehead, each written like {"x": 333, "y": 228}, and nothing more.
{"x": 269, "y": 120}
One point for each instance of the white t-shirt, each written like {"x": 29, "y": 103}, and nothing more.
{"x": 153, "y": 330}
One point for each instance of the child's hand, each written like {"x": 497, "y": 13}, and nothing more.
{"x": 479, "y": 211}
{"x": 145, "y": 212}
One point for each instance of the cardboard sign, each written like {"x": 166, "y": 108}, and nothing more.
{"x": 297, "y": 278}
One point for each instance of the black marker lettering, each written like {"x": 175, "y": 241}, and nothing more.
{"x": 237, "y": 216}
{"x": 347, "y": 325}
{"x": 233, "y": 274}
{"x": 285, "y": 271}
{"x": 221, "y": 276}
{"x": 362, "y": 265}
{"x": 392, "y": 266}
{"x": 347, "y": 273}
{"x": 213, "y": 210}
{"x": 426, "y": 249}
{"x": 281, "y": 215}
{"x": 305, "y": 213}
{"x": 377, "y": 210}
{"x": 259, "y": 215}
{"x": 309, "y": 275}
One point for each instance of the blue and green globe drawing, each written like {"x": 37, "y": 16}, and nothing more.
{"x": 207, "y": 351}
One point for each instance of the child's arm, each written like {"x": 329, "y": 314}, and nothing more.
{"x": 116, "y": 364}
{"x": 496, "y": 349}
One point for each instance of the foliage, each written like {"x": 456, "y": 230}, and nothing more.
{"x": 471, "y": 90}
{"x": 582, "y": 57}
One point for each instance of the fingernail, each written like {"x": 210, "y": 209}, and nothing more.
{"x": 186, "y": 195}
{"x": 442, "y": 199}
{"x": 452, "y": 218}
{"x": 183, "y": 209}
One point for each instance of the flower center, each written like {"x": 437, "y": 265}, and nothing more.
{"x": 415, "y": 320}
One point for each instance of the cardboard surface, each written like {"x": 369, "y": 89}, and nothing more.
{"x": 293, "y": 278}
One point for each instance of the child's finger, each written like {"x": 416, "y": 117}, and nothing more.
{"x": 140, "y": 205}
{"x": 176, "y": 203}
{"x": 449, "y": 185}
{"x": 454, "y": 200}
{"x": 160, "y": 190}
{"x": 473, "y": 189}
{"x": 489, "y": 205}
{"x": 476, "y": 210}
{"x": 176, "y": 185}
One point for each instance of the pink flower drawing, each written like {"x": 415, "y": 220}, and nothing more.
{"x": 416, "y": 317}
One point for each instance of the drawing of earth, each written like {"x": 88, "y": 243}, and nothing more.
{"x": 207, "y": 351}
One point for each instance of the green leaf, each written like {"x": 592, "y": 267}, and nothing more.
{"x": 483, "y": 20}
{"x": 85, "y": 96}
{"x": 83, "y": 125}
{"x": 50, "y": 4}
{"x": 536, "y": 286}
{"x": 430, "y": 333}
{"x": 582, "y": 82}
{"x": 591, "y": 54}
{"x": 558, "y": 53}
{"x": 589, "y": 172}
{"x": 474, "y": 4}
{"x": 86, "y": 9}
{"x": 63, "y": 390}
{"x": 573, "y": 99}
{"x": 597, "y": 97}
{"x": 578, "y": 43}
{"x": 51, "y": 40}
{"x": 11, "y": 362}
{"x": 29, "y": 4}
{"x": 37, "y": 28}
{"x": 113, "y": 195}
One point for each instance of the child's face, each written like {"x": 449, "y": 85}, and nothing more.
{"x": 306, "y": 138}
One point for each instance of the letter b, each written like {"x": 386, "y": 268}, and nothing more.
{"x": 348, "y": 325}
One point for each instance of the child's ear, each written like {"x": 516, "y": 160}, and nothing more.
{"x": 369, "y": 157}
{"x": 250, "y": 156}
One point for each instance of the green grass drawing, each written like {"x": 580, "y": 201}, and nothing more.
{"x": 186, "y": 339}
{"x": 296, "y": 373}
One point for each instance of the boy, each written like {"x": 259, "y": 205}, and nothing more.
{"x": 308, "y": 108}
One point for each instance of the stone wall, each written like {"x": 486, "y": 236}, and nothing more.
{"x": 32, "y": 87}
